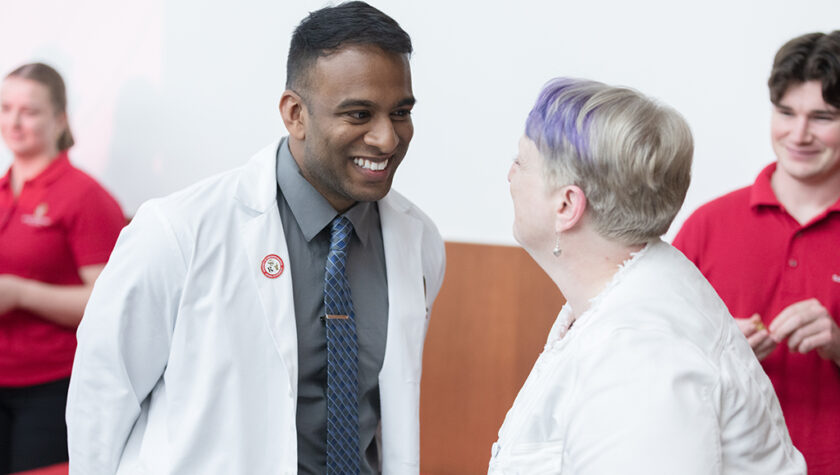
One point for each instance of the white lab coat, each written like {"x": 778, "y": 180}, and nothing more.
{"x": 655, "y": 378}
{"x": 187, "y": 356}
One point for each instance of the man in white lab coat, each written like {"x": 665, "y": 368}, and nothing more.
{"x": 203, "y": 348}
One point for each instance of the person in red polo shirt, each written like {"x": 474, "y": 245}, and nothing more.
{"x": 772, "y": 250}
{"x": 57, "y": 229}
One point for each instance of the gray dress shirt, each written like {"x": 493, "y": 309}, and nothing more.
{"x": 306, "y": 217}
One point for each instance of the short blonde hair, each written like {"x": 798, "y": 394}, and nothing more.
{"x": 630, "y": 155}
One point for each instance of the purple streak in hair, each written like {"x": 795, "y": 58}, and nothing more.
{"x": 552, "y": 123}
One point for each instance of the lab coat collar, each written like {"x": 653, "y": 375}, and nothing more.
{"x": 257, "y": 188}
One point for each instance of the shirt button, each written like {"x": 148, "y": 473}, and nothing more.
{"x": 291, "y": 394}
{"x": 792, "y": 263}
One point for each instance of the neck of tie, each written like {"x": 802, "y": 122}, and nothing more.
{"x": 343, "y": 451}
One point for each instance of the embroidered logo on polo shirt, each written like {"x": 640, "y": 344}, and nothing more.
{"x": 38, "y": 218}
{"x": 836, "y": 278}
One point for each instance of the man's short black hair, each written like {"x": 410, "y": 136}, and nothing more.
{"x": 811, "y": 57}
{"x": 325, "y": 31}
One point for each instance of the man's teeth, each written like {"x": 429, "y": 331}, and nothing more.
{"x": 375, "y": 166}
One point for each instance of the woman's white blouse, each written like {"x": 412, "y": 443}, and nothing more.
{"x": 655, "y": 378}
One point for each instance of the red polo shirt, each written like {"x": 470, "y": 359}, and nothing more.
{"x": 761, "y": 260}
{"x": 61, "y": 221}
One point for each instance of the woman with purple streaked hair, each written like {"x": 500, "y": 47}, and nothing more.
{"x": 644, "y": 370}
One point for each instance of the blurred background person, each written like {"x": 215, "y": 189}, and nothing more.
{"x": 57, "y": 229}
{"x": 772, "y": 249}
{"x": 644, "y": 370}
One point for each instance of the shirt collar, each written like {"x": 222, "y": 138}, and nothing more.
{"x": 835, "y": 208}
{"x": 762, "y": 192}
{"x": 6, "y": 180}
{"x": 52, "y": 172}
{"x": 311, "y": 210}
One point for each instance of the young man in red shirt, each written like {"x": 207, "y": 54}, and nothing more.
{"x": 772, "y": 250}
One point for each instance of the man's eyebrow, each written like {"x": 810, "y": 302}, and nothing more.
{"x": 828, "y": 112}
{"x": 350, "y": 103}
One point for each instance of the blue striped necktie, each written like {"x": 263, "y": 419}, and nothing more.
{"x": 343, "y": 450}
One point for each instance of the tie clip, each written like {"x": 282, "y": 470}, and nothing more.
{"x": 336, "y": 317}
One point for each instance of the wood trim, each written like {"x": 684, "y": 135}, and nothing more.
{"x": 488, "y": 325}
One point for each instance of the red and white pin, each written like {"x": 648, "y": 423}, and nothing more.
{"x": 272, "y": 266}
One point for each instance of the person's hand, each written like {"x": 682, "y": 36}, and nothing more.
{"x": 807, "y": 326}
{"x": 9, "y": 292}
{"x": 757, "y": 336}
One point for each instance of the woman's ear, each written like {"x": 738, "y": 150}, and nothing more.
{"x": 63, "y": 125}
{"x": 62, "y": 119}
{"x": 570, "y": 203}
{"x": 292, "y": 109}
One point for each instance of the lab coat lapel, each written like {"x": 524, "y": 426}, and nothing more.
{"x": 262, "y": 233}
{"x": 400, "y": 375}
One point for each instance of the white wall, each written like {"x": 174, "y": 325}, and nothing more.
{"x": 163, "y": 93}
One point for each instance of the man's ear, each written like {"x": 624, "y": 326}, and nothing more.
{"x": 292, "y": 109}
{"x": 570, "y": 203}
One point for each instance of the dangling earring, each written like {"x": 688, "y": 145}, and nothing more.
{"x": 556, "y": 251}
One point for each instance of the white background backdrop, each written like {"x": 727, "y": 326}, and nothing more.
{"x": 165, "y": 92}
